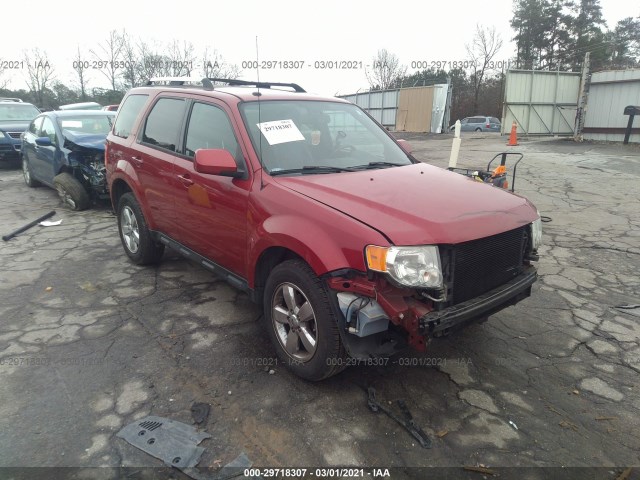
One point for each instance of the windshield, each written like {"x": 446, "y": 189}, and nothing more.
{"x": 305, "y": 137}
{"x": 16, "y": 112}
{"x": 94, "y": 124}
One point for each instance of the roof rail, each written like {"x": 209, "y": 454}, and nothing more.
{"x": 207, "y": 83}
{"x": 10, "y": 99}
{"x": 233, "y": 81}
{"x": 179, "y": 81}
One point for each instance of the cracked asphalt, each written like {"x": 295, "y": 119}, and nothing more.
{"x": 90, "y": 342}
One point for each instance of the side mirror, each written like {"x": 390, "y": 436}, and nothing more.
{"x": 216, "y": 161}
{"x": 406, "y": 146}
{"x": 43, "y": 142}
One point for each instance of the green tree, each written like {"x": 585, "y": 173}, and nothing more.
{"x": 529, "y": 24}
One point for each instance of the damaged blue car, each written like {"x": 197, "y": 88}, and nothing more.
{"x": 65, "y": 150}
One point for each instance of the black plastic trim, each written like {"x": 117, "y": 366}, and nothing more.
{"x": 233, "y": 279}
{"x": 488, "y": 303}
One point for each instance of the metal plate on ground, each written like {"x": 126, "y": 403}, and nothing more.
{"x": 174, "y": 443}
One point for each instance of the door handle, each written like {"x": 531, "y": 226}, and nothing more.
{"x": 186, "y": 180}
{"x": 137, "y": 161}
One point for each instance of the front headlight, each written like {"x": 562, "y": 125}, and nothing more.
{"x": 410, "y": 266}
{"x": 536, "y": 233}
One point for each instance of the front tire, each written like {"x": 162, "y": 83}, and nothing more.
{"x": 134, "y": 232}
{"x": 301, "y": 323}
{"x": 71, "y": 191}
{"x": 26, "y": 173}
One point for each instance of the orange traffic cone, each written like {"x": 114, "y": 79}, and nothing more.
{"x": 513, "y": 138}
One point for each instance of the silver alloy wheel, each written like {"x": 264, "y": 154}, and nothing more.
{"x": 25, "y": 171}
{"x": 130, "y": 229}
{"x": 65, "y": 197}
{"x": 294, "y": 322}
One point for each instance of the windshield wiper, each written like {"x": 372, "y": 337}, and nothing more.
{"x": 371, "y": 165}
{"x": 310, "y": 169}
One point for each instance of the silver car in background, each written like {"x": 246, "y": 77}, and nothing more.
{"x": 479, "y": 124}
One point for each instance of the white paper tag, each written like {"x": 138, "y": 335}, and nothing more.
{"x": 50, "y": 223}
{"x": 71, "y": 124}
{"x": 280, "y": 131}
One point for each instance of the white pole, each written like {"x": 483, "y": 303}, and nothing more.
{"x": 455, "y": 147}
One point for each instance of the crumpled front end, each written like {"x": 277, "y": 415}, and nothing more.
{"x": 88, "y": 166}
{"x": 479, "y": 278}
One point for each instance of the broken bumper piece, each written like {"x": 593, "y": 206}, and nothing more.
{"x": 437, "y": 323}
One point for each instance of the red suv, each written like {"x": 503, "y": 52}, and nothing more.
{"x": 354, "y": 248}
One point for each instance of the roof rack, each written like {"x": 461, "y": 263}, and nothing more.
{"x": 228, "y": 81}
{"x": 207, "y": 83}
{"x": 10, "y": 99}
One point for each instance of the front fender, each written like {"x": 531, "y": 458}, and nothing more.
{"x": 321, "y": 250}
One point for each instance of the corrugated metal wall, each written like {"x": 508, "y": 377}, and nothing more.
{"x": 609, "y": 93}
{"x": 380, "y": 105}
{"x": 540, "y": 102}
{"x": 408, "y": 109}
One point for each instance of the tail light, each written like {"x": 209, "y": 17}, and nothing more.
{"x": 488, "y": 125}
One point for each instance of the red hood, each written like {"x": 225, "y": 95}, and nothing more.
{"x": 417, "y": 204}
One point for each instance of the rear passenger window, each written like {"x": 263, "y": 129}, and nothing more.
{"x": 209, "y": 127}
{"x": 162, "y": 128}
{"x": 128, "y": 113}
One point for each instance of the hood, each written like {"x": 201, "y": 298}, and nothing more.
{"x": 14, "y": 126}
{"x": 78, "y": 141}
{"x": 417, "y": 204}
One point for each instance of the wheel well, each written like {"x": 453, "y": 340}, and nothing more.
{"x": 118, "y": 188}
{"x": 268, "y": 260}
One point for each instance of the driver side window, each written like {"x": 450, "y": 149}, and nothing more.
{"x": 48, "y": 130}
{"x": 35, "y": 126}
{"x": 209, "y": 127}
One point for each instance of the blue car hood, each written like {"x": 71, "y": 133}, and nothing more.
{"x": 75, "y": 141}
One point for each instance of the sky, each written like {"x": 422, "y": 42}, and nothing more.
{"x": 324, "y": 35}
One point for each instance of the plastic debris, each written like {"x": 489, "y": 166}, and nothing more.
{"x": 49, "y": 223}
{"x": 513, "y": 425}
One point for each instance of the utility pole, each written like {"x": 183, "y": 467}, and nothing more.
{"x": 582, "y": 100}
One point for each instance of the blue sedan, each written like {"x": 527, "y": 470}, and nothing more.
{"x": 65, "y": 150}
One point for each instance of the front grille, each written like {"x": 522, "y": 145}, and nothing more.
{"x": 15, "y": 135}
{"x": 484, "y": 264}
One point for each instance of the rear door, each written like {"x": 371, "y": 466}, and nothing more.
{"x": 153, "y": 157}
{"x": 212, "y": 209}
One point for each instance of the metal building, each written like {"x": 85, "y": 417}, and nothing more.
{"x": 609, "y": 93}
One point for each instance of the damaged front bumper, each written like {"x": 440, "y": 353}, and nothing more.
{"x": 420, "y": 318}
{"x": 441, "y": 322}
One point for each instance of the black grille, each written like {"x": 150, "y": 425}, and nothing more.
{"x": 6, "y": 148}
{"x": 15, "y": 135}
{"x": 483, "y": 264}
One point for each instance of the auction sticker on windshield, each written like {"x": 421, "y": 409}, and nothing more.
{"x": 280, "y": 131}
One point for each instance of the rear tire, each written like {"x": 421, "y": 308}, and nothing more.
{"x": 301, "y": 323}
{"x": 71, "y": 191}
{"x": 478, "y": 129}
{"x": 134, "y": 232}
